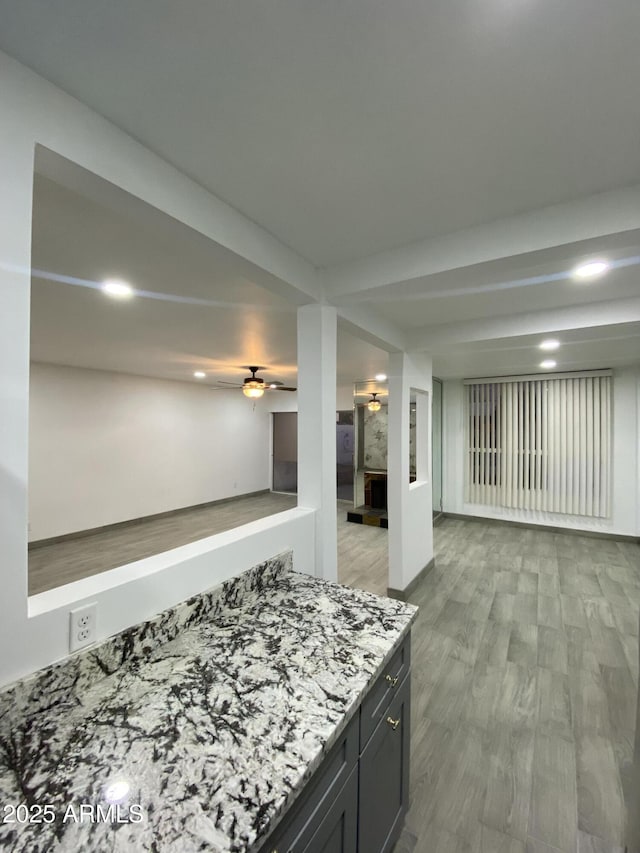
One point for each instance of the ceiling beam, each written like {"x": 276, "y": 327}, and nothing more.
{"x": 531, "y": 323}
{"x": 596, "y": 216}
{"x": 369, "y": 327}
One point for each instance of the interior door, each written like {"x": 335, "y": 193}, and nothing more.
{"x": 436, "y": 446}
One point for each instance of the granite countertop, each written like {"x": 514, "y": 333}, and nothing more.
{"x": 196, "y": 730}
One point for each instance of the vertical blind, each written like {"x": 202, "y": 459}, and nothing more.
{"x": 541, "y": 444}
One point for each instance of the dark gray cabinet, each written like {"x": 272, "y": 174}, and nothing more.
{"x": 384, "y": 777}
{"x": 356, "y": 800}
{"x": 326, "y": 811}
{"x": 382, "y": 692}
{"x": 338, "y": 830}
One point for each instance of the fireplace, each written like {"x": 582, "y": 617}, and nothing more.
{"x": 375, "y": 490}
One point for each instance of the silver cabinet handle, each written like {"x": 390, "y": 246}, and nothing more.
{"x": 393, "y": 723}
{"x": 391, "y": 680}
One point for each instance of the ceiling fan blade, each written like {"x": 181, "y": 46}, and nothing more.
{"x": 232, "y": 384}
{"x": 283, "y": 388}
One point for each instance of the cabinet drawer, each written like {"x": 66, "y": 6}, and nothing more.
{"x": 381, "y": 694}
{"x": 307, "y": 813}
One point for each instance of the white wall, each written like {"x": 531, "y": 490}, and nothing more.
{"x": 107, "y": 447}
{"x": 287, "y": 401}
{"x": 625, "y": 464}
{"x": 317, "y": 336}
{"x": 410, "y": 505}
{"x": 33, "y": 111}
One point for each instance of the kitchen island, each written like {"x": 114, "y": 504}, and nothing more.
{"x": 205, "y": 728}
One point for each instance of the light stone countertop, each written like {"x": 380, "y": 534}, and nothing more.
{"x": 208, "y": 719}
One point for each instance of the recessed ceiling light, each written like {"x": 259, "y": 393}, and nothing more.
{"x": 548, "y": 363}
{"x": 119, "y": 289}
{"x": 381, "y": 377}
{"x": 591, "y": 269}
{"x": 549, "y": 345}
{"x": 199, "y": 374}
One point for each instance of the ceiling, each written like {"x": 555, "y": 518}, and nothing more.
{"x": 512, "y": 285}
{"x": 194, "y": 308}
{"x": 443, "y": 165}
{"x": 346, "y": 129}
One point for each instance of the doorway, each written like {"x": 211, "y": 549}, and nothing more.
{"x": 285, "y": 452}
{"x": 436, "y": 447}
{"x": 344, "y": 455}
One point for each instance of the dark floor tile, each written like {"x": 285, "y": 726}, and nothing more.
{"x": 548, "y": 584}
{"x": 509, "y": 781}
{"x": 506, "y": 581}
{"x": 554, "y": 703}
{"x": 552, "y": 649}
{"x": 494, "y": 645}
{"x": 622, "y": 698}
{"x": 502, "y": 607}
{"x": 607, "y": 646}
{"x": 486, "y": 682}
{"x": 580, "y": 652}
{"x": 591, "y": 844}
{"x": 449, "y": 694}
{"x": 601, "y": 808}
{"x": 523, "y": 645}
{"x": 554, "y": 803}
{"x": 572, "y": 611}
{"x": 589, "y": 705}
{"x": 516, "y": 704}
{"x": 452, "y": 614}
{"x": 489, "y": 840}
{"x": 549, "y": 611}
{"x": 459, "y": 792}
{"x": 525, "y": 608}
{"x": 528, "y": 582}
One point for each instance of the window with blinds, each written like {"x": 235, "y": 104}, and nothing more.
{"x": 540, "y": 443}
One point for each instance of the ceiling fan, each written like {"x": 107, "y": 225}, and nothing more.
{"x": 254, "y": 386}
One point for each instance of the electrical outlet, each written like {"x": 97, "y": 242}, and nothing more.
{"x": 82, "y": 626}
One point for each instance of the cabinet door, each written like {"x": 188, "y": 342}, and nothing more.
{"x": 327, "y": 785}
{"x": 384, "y": 777}
{"x": 338, "y": 832}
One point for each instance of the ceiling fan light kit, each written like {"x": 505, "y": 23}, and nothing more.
{"x": 374, "y": 405}
{"x": 253, "y": 386}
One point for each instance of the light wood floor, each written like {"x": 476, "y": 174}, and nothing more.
{"x": 63, "y": 562}
{"x": 362, "y": 550}
{"x": 363, "y": 561}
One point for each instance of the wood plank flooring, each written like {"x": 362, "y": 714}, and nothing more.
{"x": 525, "y": 690}
{"x": 63, "y": 562}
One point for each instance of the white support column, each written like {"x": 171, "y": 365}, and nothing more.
{"x": 16, "y": 179}
{"x": 409, "y": 504}
{"x": 317, "y": 334}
